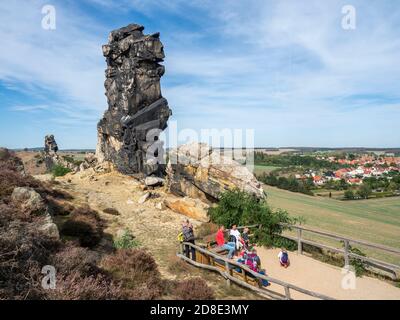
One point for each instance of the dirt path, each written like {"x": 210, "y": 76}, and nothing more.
{"x": 320, "y": 277}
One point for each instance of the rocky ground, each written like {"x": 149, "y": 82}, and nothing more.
{"x": 153, "y": 224}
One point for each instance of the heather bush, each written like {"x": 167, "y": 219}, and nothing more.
{"x": 76, "y": 259}
{"x": 137, "y": 271}
{"x": 74, "y": 286}
{"x": 194, "y": 289}
{"x": 86, "y": 225}
{"x": 9, "y": 161}
{"x": 24, "y": 251}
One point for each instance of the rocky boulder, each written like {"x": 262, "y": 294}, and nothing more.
{"x": 49, "y": 228}
{"x": 192, "y": 208}
{"x": 28, "y": 200}
{"x": 153, "y": 181}
{"x": 195, "y": 170}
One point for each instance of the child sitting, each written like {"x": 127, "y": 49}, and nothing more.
{"x": 284, "y": 258}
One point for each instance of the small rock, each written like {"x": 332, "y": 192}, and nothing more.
{"x": 50, "y": 229}
{"x": 129, "y": 201}
{"x": 144, "y": 197}
{"x": 29, "y": 200}
{"x": 161, "y": 205}
{"x": 153, "y": 181}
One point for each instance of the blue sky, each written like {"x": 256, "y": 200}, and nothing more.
{"x": 286, "y": 69}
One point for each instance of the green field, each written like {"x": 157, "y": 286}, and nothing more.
{"x": 374, "y": 220}
{"x": 260, "y": 169}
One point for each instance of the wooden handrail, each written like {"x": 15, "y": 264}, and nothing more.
{"x": 342, "y": 238}
{"x": 393, "y": 268}
{"x": 286, "y": 285}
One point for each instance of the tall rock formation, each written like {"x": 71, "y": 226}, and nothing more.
{"x": 137, "y": 112}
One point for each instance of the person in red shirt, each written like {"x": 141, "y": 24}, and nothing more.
{"x": 220, "y": 238}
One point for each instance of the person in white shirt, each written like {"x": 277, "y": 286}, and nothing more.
{"x": 234, "y": 232}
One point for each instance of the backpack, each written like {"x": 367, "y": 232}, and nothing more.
{"x": 180, "y": 237}
{"x": 232, "y": 238}
{"x": 250, "y": 261}
{"x": 284, "y": 257}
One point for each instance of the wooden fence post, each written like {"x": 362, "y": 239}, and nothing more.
{"x": 287, "y": 293}
{"x": 346, "y": 254}
{"x": 228, "y": 281}
{"x": 299, "y": 244}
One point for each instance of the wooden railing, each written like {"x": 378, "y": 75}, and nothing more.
{"x": 393, "y": 269}
{"x": 227, "y": 273}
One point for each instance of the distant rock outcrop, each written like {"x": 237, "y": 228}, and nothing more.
{"x": 51, "y": 157}
{"x": 50, "y": 144}
{"x": 195, "y": 170}
{"x": 137, "y": 112}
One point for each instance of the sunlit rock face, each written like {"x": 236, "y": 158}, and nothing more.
{"x": 197, "y": 171}
{"x": 137, "y": 112}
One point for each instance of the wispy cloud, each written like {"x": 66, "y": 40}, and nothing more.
{"x": 285, "y": 68}
{"x": 27, "y": 108}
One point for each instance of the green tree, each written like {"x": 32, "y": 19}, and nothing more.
{"x": 364, "y": 191}
{"x": 349, "y": 195}
{"x": 241, "y": 208}
{"x": 392, "y": 186}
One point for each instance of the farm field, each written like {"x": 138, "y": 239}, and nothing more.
{"x": 260, "y": 169}
{"x": 374, "y": 220}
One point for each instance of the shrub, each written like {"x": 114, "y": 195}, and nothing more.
{"x": 76, "y": 287}
{"x": 86, "y": 225}
{"x": 134, "y": 265}
{"x": 126, "y": 241}
{"x": 349, "y": 195}
{"x": 137, "y": 271}
{"x": 358, "y": 264}
{"x": 72, "y": 258}
{"x": 59, "y": 171}
{"x": 240, "y": 208}
{"x": 194, "y": 289}
{"x": 24, "y": 251}
{"x": 9, "y": 161}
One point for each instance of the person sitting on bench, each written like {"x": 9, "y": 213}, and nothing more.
{"x": 220, "y": 238}
{"x": 245, "y": 238}
{"x": 234, "y": 236}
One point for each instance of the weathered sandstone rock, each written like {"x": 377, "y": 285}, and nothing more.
{"x": 28, "y": 200}
{"x": 192, "y": 208}
{"x": 153, "y": 181}
{"x": 195, "y": 170}
{"x": 137, "y": 112}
